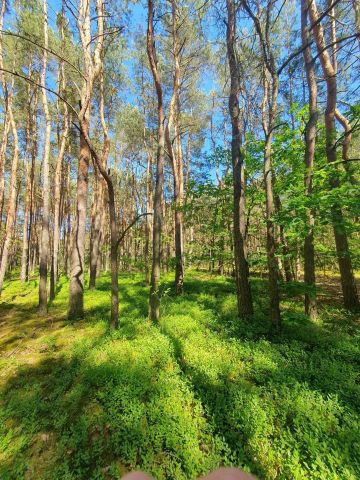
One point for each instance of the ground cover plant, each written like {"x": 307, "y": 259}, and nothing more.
{"x": 177, "y": 399}
{"x": 179, "y": 238}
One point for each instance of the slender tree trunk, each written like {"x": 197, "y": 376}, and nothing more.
{"x": 76, "y": 299}
{"x": 98, "y": 204}
{"x": 173, "y": 140}
{"x": 32, "y": 187}
{"x": 148, "y": 224}
{"x": 244, "y": 297}
{"x": 93, "y": 64}
{"x": 6, "y": 129}
{"x": 58, "y": 176}
{"x": 154, "y": 306}
{"x": 45, "y": 238}
{"x": 114, "y": 237}
{"x": 344, "y": 122}
{"x": 25, "y": 241}
{"x": 11, "y": 211}
{"x": 3, "y": 147}
{"x": 310, "y": 142}
{"x": 269, "y": 113}
{"x": 341, "y": 240}
{"x": 95, "y": 233}
{"x": 270, "y": 99}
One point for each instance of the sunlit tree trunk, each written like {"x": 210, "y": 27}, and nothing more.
{"x": 310, "y": 142}
{"x": 174, "y": 147}
{"x": 24, "y": 272}
{"x": 341, "y": 239}
{"x": 45, "y": 238}
{"x": 99, "y": 201}
{"x": 244, "y": 297}
{"x": 58, "y": 175}
{"x": 92, "y": 66}
{"x": 154, "y": 304}
{"x": 3, "y": 146}
{"x": 11, "y": 209}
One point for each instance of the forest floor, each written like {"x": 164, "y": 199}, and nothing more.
{"x": 177, "y": 399}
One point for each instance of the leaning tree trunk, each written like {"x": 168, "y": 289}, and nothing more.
{"x": 310, "y": 142}
{"x": 341, "y": 239}
{"x": 154, "y": 303}
{"x": 45, "y": 238}
{"x": 244, "y": 297}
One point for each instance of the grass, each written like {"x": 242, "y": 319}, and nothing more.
{"x": 199, "y": 390}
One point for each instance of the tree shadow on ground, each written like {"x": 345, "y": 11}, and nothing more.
{"x": 274, "y": 403}
{"x": 102, "y": 411}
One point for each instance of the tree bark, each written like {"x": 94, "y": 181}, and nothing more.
{"x": 24, "y": 272}
{"x": 92, "y": 68}
{"x": 3, "y": 147}
{"x": 45, "y": 238}
{"x": 173, "y": 140}
{"x": 269, "y": 113}
{"x": 341, "y": 240}
{"x": 244, "y": 297}
{"x": 98, "y": 204}
{"x": 58, "y": 175}
{"x": 154, "y": 303}
{"x": 11, "y": 210}
{"x": 310, "y": 142}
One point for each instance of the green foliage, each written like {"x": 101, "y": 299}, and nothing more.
{"x": 199, "y": 390}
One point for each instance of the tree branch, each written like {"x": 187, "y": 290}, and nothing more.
{"x": 49, "y": 50}
{"x": 121, "y": 237}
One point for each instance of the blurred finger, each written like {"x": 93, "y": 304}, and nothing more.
{"x": 229, "y": 474}
{"x": 136, "y": 476}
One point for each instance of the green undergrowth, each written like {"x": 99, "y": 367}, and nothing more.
{"x": 199, "y": 390}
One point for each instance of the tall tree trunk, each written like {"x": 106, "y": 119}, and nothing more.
{"x": 173, "y": 140}
{"x": 45, "y": 239}
{"x": 92, "y": 69}
{"x": 76, "y": 299}
{"x": 148, "y": 224}
{"x": 95, "y": 234}
{"x": 6, "y": 129}
{"x": 244, "y": 297}
{"x": 269, "y": 111}
{"x": 154, "y": 304}
{"x": 58, "y": 175}
{"x": 3, "y": 147}
{"x": 341, "y": 240}
{"x": 356, "y": 6}
{"x": 98, "y": 204}
{"x": 310, "y": 141}
{"x": 11, "y": 210}
{"x": 25, "y": 241}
